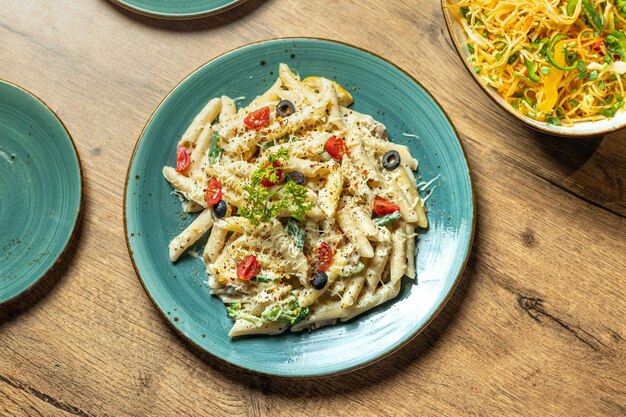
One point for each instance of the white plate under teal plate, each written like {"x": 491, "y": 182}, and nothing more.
{"x": 40, "y": 190}
{"x": 178, "y": 9}
{"x": 379, "y": 88}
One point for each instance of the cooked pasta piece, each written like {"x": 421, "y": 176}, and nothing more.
{"x": 191, "y": 234}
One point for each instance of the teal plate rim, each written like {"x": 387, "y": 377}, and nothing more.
{"x": 211, "y": 11}
{"x": 401, "y": 343}
{"x": 78, "y": 216}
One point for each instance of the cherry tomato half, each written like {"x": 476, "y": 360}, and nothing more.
{"x": 248, "y": 268}
{"x": 279, "y": 175}
{"x": 324, "y": 257}
{"x": 213, "y": 193}
{"x": 336, "y": 147}
{"x": 597, "y": 46}
{"x": 258, "y": 118}
{"x": 182, "y": 159}
{"x": 383, "y": 207}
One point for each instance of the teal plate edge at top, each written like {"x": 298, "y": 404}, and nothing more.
{"x": 185, "y": 9}
{"x": 153, "y": 216}
{"x": 40, "y": 190}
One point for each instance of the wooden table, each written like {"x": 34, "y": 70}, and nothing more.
{"x": 536, "y": 327}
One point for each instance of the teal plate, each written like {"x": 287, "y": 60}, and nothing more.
{"x": 40, "y": 190}
{"x": 153, "y": 216}
{"x": 178, "y": 9}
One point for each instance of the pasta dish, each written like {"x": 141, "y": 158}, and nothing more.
{"x": 558, "y": 61}
{"x": 311, "y": 211}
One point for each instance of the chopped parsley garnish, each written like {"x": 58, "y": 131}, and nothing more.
{"x": 261, "y": 208}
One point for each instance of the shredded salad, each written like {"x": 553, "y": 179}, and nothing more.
{"x": 558, "y": 61}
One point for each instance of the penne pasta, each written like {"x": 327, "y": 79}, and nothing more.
{"x": 190, "y": 235}
{"x": 329, "y": 196}
{"x": 214, "y": 245}
{"x": 377, "y": 264}
{"x": 352, "y": 230}
{"x": 186, "y": 186}
{"x": 410, "y": 251}
{"x": 397, "y": 261}
{"x": 204, "y": 118}
{"x": 308, "y": 224}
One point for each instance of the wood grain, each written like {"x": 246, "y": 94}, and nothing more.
{"x": 536, "y": 327}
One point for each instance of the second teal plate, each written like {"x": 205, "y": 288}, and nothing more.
{"x": 178, "y": 9}
{"x": 40, "y": 190}
{"x": 379, "y": 88}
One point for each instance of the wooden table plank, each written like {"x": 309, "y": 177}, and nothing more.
{"x": 535, "y": 328}
{"x": 17, "y": 400}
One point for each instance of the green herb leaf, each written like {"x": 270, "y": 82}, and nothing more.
{"x": 550, "y": 58}
{"x": 289, "y": 312}
{"x": 595, "y": 19}
{"x": 294, "y": 229}
{"x": 232, "y": 309}
{"x": 261, "y": 208}
{"x": 266, "y": 145}
{"x": 387, "y": 219}
{"x": 215, "y": 152}
{"x": 465, "y": 12}
{"x": 554, "y": 120}
{"x": 616, "y": 43}
{"x": 282, "y": 153}
{"x": 235, "y": 311}
{"x": 531, "y": 67}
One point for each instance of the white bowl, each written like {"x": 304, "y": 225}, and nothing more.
{"x": 583, "y": 129}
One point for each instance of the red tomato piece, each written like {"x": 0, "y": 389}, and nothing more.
{"x": 182, "y": 159}
{"x": 213, "y": 193}
{"x": 383, "y": 207}
{"x": 258, "y": 118}
{"x": 324, "y": 257}
{"x": 336, "y": 147}
{"x": 279, "y": 174}
{"x": 248, "y": 268}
